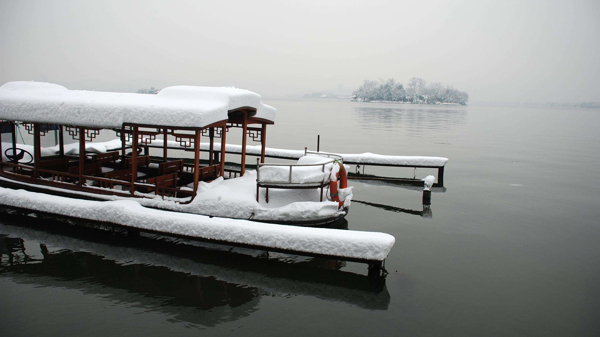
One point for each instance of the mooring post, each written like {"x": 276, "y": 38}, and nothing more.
{"x": 426, "y": 198}
{"x": 375, "y": 269}
{"x": 318, "y": 142}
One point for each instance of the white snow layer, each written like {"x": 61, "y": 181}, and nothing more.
{"x": 358, "y": 158}
{"x": 428, "y": 182}
{"x": 236, "y": 198}
{"x": 179, "y": 106}
{"x": 349, "y": 244}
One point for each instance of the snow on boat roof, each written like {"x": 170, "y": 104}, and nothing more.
{"x": 178, "y": 106}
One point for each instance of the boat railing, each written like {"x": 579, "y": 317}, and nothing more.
{"x": 289, "y": 183}
{"x": 290, "y": 176}
{"x": 324, "y": 154}
{"x": 57, "y": 176}
{"x": 20, "y": 169}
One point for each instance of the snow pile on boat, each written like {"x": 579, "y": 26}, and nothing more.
{"x": 236, "y": 198}
{"x": 179, "y": 106}
{"x": 333, "y": 242}
{"x": 312, "y": 169}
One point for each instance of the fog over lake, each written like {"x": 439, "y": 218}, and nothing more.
{"x": 497, "y": 51}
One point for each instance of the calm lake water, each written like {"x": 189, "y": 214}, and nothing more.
{"x": 511, "y": 246}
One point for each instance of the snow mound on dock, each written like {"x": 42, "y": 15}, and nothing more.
{"x": 333, "y": 242}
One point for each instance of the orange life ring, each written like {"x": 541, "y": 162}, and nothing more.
{"x": 342, "y": 177}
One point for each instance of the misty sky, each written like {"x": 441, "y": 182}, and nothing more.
{"x": 516, "y": 51}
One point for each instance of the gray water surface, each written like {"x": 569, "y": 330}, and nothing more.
{"x": 510, "y": 247}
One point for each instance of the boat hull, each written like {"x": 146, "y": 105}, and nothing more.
{"x": 82, "y": 195}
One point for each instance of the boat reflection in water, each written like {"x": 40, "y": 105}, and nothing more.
{"x": 199, "y": 283}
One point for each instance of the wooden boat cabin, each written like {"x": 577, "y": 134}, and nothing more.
{"x": 175, "y": 118}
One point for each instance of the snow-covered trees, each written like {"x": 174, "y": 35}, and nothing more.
{"x": 386, "y": 91}
{"x": 417, "y": 91}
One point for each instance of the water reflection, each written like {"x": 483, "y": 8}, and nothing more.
{"x": 191, "y": 283}
{"x": 408, "y": 117}
{"x": 424, "y": 213}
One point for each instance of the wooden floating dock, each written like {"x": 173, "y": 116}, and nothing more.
{"x": 366, "y": 247}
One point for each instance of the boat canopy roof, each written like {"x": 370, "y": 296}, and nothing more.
{"x": 178, "y": 106}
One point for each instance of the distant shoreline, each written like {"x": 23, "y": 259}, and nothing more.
{"x": 402, "y": 102}
{"x": 584, "y": 105}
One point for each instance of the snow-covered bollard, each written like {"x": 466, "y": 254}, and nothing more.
{"x": 427, "y": 184}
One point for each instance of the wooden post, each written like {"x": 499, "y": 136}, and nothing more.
{"x": 257, "y": 179}
{"x": 123, "y": 145}
{"x": 223, "y": 143}
{"x": 81, "y": 154}
{"x": 165, "y": 145}
{"x": 263, "y": 145}
{"x": 318, "y": 142}
{"x": 211, "y": 135}
{"x": 196, "y": 161}
{"x": 14, "y": 139}
{"x": 61, "y": 141}
{"x": 441, "y": 176}
{"x": 37, "y": 149}
{"x": 134, "y": 147}
{"x": 244, "y": 141}
{"x": 14, "y": 144}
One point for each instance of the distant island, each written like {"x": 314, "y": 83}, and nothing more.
{"x": 152, "y": 91}
{"x": 418, "y": 91}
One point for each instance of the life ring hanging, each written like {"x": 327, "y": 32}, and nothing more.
{"x": 342, "y": 177}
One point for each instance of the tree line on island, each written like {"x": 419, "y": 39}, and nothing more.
{"x": 417, "y": 91}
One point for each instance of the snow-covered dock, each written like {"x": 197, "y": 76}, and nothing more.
{"x": 366, "y": 158}
{"x": 366, "y": 247}
{"x": 362, "y": 159}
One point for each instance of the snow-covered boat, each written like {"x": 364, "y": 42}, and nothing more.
{"x": 177, "y": 178}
